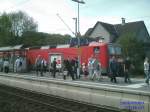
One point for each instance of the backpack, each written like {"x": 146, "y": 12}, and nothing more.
{"x": 20, "y": 63}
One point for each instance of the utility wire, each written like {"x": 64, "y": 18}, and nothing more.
{"x": 65, "y": 23}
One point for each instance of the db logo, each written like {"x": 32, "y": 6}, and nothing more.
{"x": 58, "y": 61}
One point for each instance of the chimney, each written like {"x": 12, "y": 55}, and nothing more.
{"x": 123, "y": 21}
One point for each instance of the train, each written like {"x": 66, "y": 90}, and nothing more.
{"x": 100, "y": 50}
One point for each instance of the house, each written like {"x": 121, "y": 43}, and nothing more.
{"x": 111, "y": 32}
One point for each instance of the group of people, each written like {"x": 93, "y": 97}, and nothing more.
{"x": 120, "y": 67}
{"x": 93, "y": 68}
{"x": 71, "y": 66}
{"x": 126, "y": 66}
{"x": 40, "y": 65}
{"x": 4, "y": 65}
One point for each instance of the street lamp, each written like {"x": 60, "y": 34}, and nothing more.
{"x": 77, "y": 34}
{"x": 79, "y": 2}
{"x": 75, "y": 26}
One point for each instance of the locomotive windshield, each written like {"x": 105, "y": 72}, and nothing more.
{"x": 96, "y": 50}
{"x": 111, "y": 50}
{"x": 114, "y": 49}
{"x": 118, "y": 50}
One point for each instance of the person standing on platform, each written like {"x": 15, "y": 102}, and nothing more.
{"x": 73, "y": 67}
{"x": 120, "y": 66}
{"x": 90, "y": 67}
{"x": 85, "y": 70}
{"x": 6, "y": 65}
{"x": 127, "y": 66}
{"x": 94, "y": 63}
{"x": 44, "y": 65}
{"x": 97, "y": 69}
{"x": 76, "y": 68}
{"x": 54, "y": 63}
{"x": 146, "y": 70}
{"x": 18, "y": 64}
{"x": 65, "y": 72}
{"x": 113, "y": 69}
{"x": 38, "y": 64}
{"x": 1, "y": 64}
{"x": 149, "y": 68}
{"x": 69, "y": 68}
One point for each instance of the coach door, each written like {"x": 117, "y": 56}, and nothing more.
{"x": 59, "y": 60}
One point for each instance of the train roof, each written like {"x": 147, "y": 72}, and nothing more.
{"x": 96, "y": 43}
{"x": 11, "y": 48}
{"x": 22, "y": 47}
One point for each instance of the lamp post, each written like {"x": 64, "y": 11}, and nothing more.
{"x": 75, "y": 26}
{"x": 77, "y": 34}
{"x": 79, "y": 2}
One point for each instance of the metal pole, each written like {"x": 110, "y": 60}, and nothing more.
{"x": 82, "y": 2}
{"x": 78, "y": 43}
{"x": 78, "y": 20}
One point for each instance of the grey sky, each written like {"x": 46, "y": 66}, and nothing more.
{"x": 110, "y": 11}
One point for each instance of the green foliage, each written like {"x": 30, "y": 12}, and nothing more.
{"x": 21, "y": 23}
{"x": 39, "y": 38}
{"x": 5, "y": 26}
{"x": 13, "y": 25}
{"x": 134, "y": 49}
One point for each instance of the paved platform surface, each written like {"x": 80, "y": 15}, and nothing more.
{"x": 136, "y": 84}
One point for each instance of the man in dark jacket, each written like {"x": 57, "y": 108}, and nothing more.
{"x": 38, "y": 64}
{"x": 127, "y": 66}
{"x": 54, "y": 67}
{"x": 113, "y": 69}
{"x": 69, "y": 68}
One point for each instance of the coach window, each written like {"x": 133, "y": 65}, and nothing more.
{"x": 118, "y": 50}
{"x": 96, "y": 50}
{"x": 111, "y": 50}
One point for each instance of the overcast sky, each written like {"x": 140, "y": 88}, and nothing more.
{"x": 45, "y": 12}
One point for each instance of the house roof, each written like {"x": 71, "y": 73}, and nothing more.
{"x": 133, "y": 27}
{"x": 88, "y": 32}
{"x": 109, "y": 27}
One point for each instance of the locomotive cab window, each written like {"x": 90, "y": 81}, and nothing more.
{"x": 96, "y": 50}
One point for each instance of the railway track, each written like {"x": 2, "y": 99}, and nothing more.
{"x": 36, "y": 102}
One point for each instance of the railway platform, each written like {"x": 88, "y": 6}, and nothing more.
{"x": 132, "y": 96}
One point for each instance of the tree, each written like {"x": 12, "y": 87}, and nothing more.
{"x": 21, "y": 23}
{"x": 134, "y": 49}
{"x": 13, "y": 25}
{"x": 5, "y": 26}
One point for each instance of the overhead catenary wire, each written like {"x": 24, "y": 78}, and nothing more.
{"x": 65, "y": 23}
